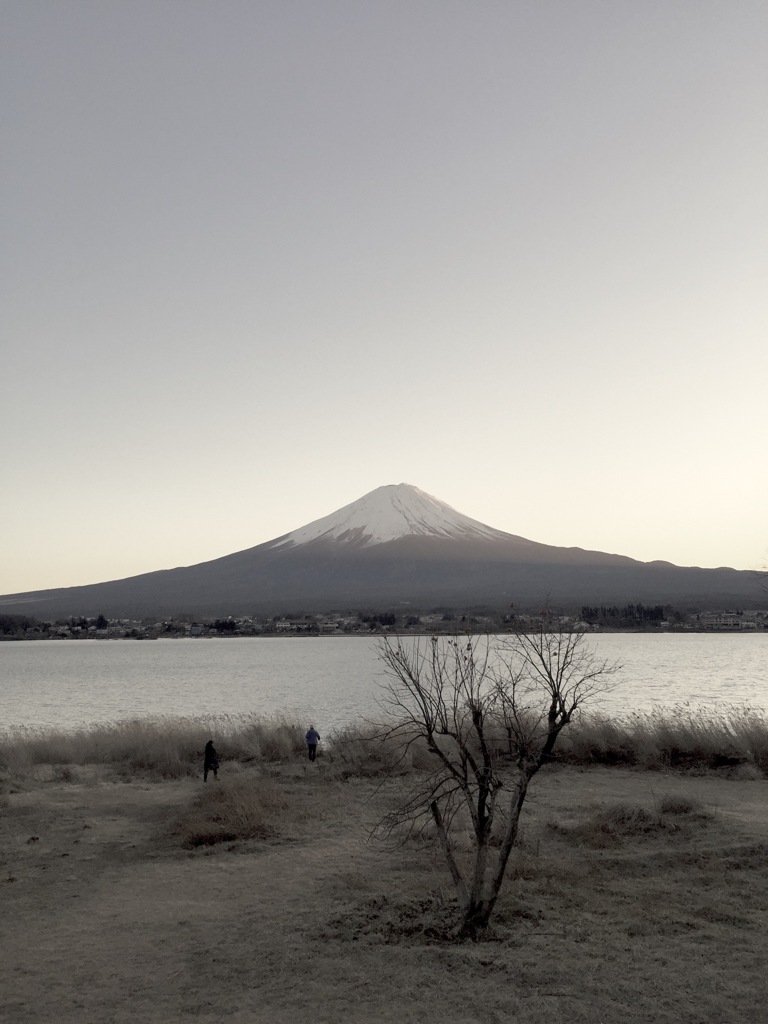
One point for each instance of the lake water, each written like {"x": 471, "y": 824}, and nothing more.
{"x": 330, "y": 681}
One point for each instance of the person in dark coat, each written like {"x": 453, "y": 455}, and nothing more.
{"x": 312, "y": 738}
{"x": 210, "y": 761}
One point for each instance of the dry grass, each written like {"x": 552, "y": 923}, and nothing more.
{"x": 681, "y": 738}
{"x": 612, "y": 823}
{"x": 245, "y": 807}
{"x": 259, "y": 899}
{"x": 171, "y": 748}
{"x": 633, "y": 896}
{"x": 160, "y": 748}
{"x": 365, "y": 751}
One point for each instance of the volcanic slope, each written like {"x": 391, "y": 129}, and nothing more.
{"x": 402, "y": 548}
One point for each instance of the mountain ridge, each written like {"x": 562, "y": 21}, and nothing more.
{"x": 395, "y": 546}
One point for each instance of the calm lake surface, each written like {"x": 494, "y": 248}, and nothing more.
{"x": 331, "y": 681}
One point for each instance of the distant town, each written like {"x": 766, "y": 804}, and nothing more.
{"x": 628, "y": 618}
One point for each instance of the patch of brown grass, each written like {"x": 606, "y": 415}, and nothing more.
{"x": 245, "y": 807}
{"x": 681, "y": 803}
{"x": 611, "y": 823}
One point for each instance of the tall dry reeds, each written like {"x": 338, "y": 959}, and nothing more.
{"x": 166, "y": 748}
{"x": 163, "y": 748}
{"x": 367, "y": 751}
{"x": 680, "y": 737}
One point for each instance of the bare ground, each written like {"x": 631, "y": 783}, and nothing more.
{"x": 107, "y": 918}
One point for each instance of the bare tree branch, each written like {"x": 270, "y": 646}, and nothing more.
{"x": 489, "y": 712}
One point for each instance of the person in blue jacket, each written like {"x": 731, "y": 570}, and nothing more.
{"x": 312, "y": 738}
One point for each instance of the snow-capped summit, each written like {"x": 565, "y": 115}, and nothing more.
{"x": 389, "y": 513}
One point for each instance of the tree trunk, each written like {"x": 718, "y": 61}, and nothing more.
{"x": 479, "y": 908}
{"x": 515, "y": 810}
{"x": 442, "y": 832}
{"x": 475, "y": 920}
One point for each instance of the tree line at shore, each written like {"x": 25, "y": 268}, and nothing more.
{"x": 628, "y": 617}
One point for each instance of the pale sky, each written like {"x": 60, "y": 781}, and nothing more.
{"x": 262, "y": 256}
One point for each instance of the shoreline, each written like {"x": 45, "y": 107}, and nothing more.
{"x": 360, "y": 634}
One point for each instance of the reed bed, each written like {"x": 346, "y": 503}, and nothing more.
{"x": 164, "y": 748}
{"x": 683, "y": 738}
{"x": 366, "y": 750}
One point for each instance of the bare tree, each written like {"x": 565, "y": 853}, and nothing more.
{"x": 490, "y": 711}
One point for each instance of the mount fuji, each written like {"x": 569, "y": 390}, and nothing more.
{"x": 395, "y": 547}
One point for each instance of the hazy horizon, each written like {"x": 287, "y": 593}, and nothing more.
{"x": 260, "y": 258}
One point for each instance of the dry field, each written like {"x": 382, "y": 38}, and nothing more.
{"x": 635, "y": 897}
